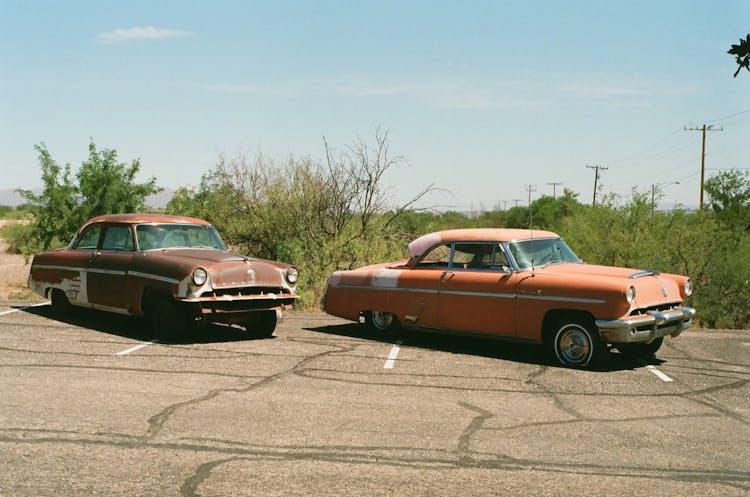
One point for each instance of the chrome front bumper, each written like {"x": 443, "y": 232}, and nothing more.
{"x": 645, "y": 328}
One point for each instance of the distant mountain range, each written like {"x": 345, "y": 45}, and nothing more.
{"x": 158, "y": 201}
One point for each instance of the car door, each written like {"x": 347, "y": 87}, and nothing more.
{"x": 65, "y": 269}
{"x": 477, "y": 292}
{"x": 108, "y": 283}
{"x": 417, "y": 290}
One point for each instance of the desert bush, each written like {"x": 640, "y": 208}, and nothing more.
{"x": 102, "y": 185}
{"x": 320, "y": 216}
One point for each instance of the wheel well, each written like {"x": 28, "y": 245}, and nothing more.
{"x": 555, "y": 317}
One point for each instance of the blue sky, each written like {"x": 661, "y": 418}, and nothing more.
{"x": 480, "y": 97}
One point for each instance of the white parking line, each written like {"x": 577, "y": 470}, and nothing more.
{"x": 392, "y": 357}
{"x": 136, "y": 347}
{"x": 22, "y": 308}
{"x": 659, "y": 374}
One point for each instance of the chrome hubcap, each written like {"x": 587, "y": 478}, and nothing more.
{"x": 382, "y": 320}
{"x": 574, "y": 345}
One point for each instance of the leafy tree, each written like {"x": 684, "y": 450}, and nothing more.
{"x": 546, "y": 212}
{"x": 54, "y": 210}
{"x": 729, "y": 198}
{"x": 741, "y": 52}
{"x": 104, "y": 186}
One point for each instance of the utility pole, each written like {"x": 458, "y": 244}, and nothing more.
{"x": 596, "y": 179}
{"x": 554, "y": 188}
{"x": 530, "y": 188}
{"x": 516, "y": 200}
{"x": 703, "y": 153}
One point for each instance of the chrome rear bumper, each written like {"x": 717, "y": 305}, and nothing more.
{"x": 645, "y": 328}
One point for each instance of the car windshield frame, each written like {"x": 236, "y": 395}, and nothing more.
{"x": 161, "y": 236}
{"x": 539, "y": 252}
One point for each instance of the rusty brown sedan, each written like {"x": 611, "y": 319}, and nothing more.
{"x": 174, "y": 270}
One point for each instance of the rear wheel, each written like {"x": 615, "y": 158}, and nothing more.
{"x": 382, "y": 322}
{"x": 262, "y": 323}
{"x": 642, "y": 350}
{"x": 576, "y": 343}
{"x": 60, "y": 302}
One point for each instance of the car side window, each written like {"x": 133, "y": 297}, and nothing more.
{"x": 499, "y": 260}
{"x": 89, "y": 239}
{"x": 464, "y": 254}
{"x": 437, "y": 257}
{"x": 484, "y": 256}
{"x": 117, "y": 238}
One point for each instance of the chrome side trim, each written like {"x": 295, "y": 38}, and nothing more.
{"x": 553, "y": 298}
{"x": 380, "y": 289}
{"x": 62, "y": 268}
{"x": 108, "y": 271}
{"x": 479, "y": 294}
{"x": 154, "y": 277}
{"x": 558, "y": 298}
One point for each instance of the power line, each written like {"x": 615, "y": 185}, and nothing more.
{"x": 729, "y": 116}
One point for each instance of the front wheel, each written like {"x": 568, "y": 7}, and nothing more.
{"x": 577, "y": 344}
{"x": 262, "y": 323}
{"x": 382, "y": 322}
{"x": 166, "y": 320}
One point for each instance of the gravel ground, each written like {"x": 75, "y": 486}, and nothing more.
{"x": 13, "y": 271}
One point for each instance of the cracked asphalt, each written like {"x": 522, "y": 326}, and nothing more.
{"x": 91, "y": 404}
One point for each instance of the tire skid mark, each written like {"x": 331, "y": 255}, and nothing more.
{"x": 126, "y": 370}
{"x": 227, "y": 354}
{"x": 586, "y": 419}
{"x": 710, "y": 403}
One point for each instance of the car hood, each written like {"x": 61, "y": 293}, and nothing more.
{"x": 209, "y": 256}
{"x": 225, "y": 269}
{"x": 652, "y": 287}
{"x": 594, "y": 270}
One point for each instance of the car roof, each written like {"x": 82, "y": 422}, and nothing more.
{"x": 419, "y": 245}
{"x": 146, "y": 218}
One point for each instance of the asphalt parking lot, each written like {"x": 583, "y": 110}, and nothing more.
{"x": 93, "y": 405}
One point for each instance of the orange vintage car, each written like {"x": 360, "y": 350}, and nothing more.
{"x": 174, "y": 270}
{"x": 525, "y": 285}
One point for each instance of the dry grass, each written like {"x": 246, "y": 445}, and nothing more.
{"x": 14, "y": 271}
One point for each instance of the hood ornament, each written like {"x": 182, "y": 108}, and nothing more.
{"x": 664, "y": 291}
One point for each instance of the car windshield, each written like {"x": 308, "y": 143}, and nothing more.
{"x": 541, "y": 252}
{"x": 161, "y": 236}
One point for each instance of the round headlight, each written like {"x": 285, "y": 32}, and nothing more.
{"x": 630, "y": 295}
{"x": 292, "y": 275}
{"x": 688, "y": 287}
{"x": 200, "y": 276}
